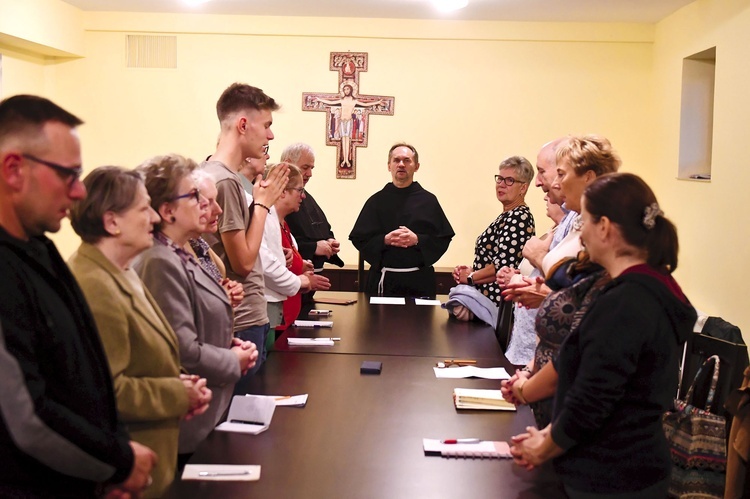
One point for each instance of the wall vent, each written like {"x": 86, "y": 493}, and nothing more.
{"x": 151, "y": 51}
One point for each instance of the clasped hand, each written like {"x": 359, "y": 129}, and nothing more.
{"x": 402, "y": 237}
{"x": 460, "y": 273}
{"x": 509, "y": 387}
{"x": 504, "y": 275}
{"x": 247, "y": 354}
{"x": 234, "y": 291}
{"x": 327, "y": 247}
{"x": 199, "y": 395}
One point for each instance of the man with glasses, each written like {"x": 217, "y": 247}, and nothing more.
{"x": 59, "y": 431}
{"x": 309, "y": 225}
{"x": 402, "y": 231}
{"x": 245, "y": 117}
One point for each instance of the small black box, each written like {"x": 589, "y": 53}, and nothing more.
{"x": 370, "y": 367}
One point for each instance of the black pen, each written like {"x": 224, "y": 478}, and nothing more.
{"x": 246, "y": 422}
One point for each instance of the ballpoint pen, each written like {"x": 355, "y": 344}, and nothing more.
{"x": 222, "y": 473}
{"x": 461, "y": 441}
{"x": 320, "y": 312}
{"x": 459, "y": 361}
{"x": 247, "y": 422}
{"x": 316, "y": 339}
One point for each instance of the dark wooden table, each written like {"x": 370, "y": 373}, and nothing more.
{"x": 410, "y": 329}
{"x": 360, "y": 436}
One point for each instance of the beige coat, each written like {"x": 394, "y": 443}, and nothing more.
{"x": 143, "y": 357}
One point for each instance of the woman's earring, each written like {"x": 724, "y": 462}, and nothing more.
{"x": 172, "y": 219}
{"x": 117, "y": 232}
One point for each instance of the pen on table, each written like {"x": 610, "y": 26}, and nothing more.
{"x": 460, "y": 361}
{"x": 222, "y": 473}
{"x": 321, "y": 339}
{"x": 461, "y": 441}
{"x": 246, "y": 422}
{"x": 314, "y": 326}
{"x": 283, "y": 398}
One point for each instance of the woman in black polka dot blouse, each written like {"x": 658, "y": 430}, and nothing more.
{"x": 502, "y": 242}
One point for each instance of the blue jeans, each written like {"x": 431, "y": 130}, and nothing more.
{"x": 258, "y": 335}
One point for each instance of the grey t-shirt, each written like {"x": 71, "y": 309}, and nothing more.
{"x": 236, "y": 216}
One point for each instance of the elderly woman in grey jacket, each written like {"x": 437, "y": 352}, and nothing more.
{"x": 194, "y": 302}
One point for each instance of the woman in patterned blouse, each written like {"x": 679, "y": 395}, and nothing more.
{"x": 501, "y": 244}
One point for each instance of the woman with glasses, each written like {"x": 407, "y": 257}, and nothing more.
{"x": 285, "y": 283}
{"x": 501, "y": 244}
{"x": 193, "y": 301}
{"x": 116, "y": 222}
{"x": 618, "y": 368}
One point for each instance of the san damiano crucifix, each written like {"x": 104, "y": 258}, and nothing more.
{"x": 347, "y": 112}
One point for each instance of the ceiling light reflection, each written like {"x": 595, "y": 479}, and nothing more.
{"x": 450, "y": 5}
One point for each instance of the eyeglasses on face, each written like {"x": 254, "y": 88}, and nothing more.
{"x": 299, "y": 190}
{"x": 509, "y": 181}
{"x": 195, "y": 194}
{"x": 68, "y": 174}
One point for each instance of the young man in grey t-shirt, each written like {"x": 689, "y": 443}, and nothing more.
{"x": 245, "y": 116}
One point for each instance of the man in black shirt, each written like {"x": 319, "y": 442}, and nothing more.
{"x": 60, "y": 434}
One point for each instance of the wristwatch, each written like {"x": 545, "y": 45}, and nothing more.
{"x": 470, "y": 279}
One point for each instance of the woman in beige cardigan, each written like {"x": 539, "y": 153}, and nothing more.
{"x": 116, "y": 222}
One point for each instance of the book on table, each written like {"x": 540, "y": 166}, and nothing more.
{"x": 474, "y": 398}
{"x": 478, "y": 448}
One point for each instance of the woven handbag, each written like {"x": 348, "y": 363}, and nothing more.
{"x": 698, "y": 443}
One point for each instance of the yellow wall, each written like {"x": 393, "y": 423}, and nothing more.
{"x": 466, "y": 103}
{"x": 467, "y": 95}
{"x": 710, "y": 216}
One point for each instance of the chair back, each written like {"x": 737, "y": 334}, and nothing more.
{"x": 504, "y": 326}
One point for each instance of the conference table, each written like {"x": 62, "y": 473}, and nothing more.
{"x": 360, "y": 435}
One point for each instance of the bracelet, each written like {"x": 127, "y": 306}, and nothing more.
{"x": 520, "y": 394}
{"x": 262, "y": 206}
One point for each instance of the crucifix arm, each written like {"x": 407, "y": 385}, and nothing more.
{"x": 327, "y": 101}
{"x": 369, "y": 104}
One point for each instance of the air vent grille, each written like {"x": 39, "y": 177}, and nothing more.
{"x": 152, "y": 51}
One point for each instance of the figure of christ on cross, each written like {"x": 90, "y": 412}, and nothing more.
{"x": 347, "y": 102}
{"x": 347, "y": 112}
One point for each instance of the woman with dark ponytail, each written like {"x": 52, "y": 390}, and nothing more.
{"x": 618, "y": 368}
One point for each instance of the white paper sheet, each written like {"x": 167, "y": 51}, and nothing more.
{"x": 222, "y": 472}
{"x": 471, "y": 372}
{"x": 387, "y": 300}
{"x": 422, "y": 301}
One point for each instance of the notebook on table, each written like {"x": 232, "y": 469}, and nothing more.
{"x": 472, "y": 398}
{"x": 481, "y": 449}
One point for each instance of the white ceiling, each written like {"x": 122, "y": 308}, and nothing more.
{"x": 628, "y": 11}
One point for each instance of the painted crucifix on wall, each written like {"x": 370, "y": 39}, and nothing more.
{"x": 347, "y": 112}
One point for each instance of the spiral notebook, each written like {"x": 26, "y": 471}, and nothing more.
{"x": 482, "y": 449}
